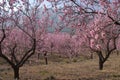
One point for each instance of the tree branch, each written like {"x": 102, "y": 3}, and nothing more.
{"x": 28, "y": 54}
{"x": 13, "y": 53}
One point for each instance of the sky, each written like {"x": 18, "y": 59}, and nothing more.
{"x": 46, "y": 3}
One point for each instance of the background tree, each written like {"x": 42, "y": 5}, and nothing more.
{"x": 84, "y": 14}
{"x": 102, "y": 36}
{"x": 19, "y": 25}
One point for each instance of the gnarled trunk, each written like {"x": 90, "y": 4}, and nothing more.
{"x": 101, "y": 60}
{"x": 100, "y": 64}
{"x": 16, "y": 73}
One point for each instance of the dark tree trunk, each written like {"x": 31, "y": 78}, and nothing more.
{"x": 38, "y": 56}
{"x": 117, "y": 52}
{"x": 101, "y": 60}
{"x": 16, "y": 73}
{"x": 91, "y": 56}
{"x": 46, "y": 60}
{"x": 101, "y": 65}
{"x": 45, "y": 57}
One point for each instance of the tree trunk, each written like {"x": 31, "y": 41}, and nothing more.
{"x": 45, "y": 57}
{"x": 38, "y": 56}
{"x": 16, "y": 73}
{"x": 117, "y": 52}
{"x": 100, "y": 64}
{"x": 91, "y": 56}
{"x": 46, "y": 60}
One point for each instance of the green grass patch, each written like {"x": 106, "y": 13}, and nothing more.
{"x": 44, "y": 72}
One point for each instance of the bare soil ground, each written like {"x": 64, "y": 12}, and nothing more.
{"x": 65, "y": 69}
